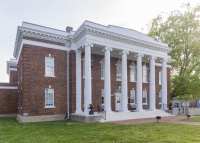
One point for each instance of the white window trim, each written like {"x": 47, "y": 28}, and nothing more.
{"x": 53, "y": 68}
{"x": 146, "y": 74}
{"x": 53, "y": 99}
{"x": 160, "y": 78}
{"x": 159, "y": 97}
{"x": 130, "y": 97}
{"x": 146, "y": 97}
{"x": 131, "y": 66}
{"x": 103, "y": 60}
{"x": 116, "y": 71}
{"x": 102, "y": 95}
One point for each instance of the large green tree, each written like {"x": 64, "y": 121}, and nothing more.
{"x": 181, "y": 30}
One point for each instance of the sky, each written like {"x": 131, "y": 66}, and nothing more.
{"x": 58, "y": 14}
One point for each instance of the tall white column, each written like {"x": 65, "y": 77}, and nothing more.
{"x": 107, "y": 86}
{"x": 78, "y": 82}
{"x": 164, "y": 84}
{"x": 139, "y": 83}
{"x": 152, "y": 87}
{"x": 87, "y": 89}
{"x": 124, "y": 82}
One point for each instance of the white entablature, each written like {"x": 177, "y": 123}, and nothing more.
{"x": 120, "y": 34}
{"x": 106, "y": 36}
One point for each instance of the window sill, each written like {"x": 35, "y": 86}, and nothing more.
{"x": 50, "y": 107}
{"x": 49, "y": 76}
{"x": 102, "y": 78}
{"x": 144, "y": 104}
{"x": 118, "y": 80}
{"x": 133, "y": 81}
{"x": 144, "y": 82}
{"x": 160, "y": 103}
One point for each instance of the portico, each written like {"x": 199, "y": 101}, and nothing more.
{"x": 129, "y": 46}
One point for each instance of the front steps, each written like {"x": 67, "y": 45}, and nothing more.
{"x": 118, "y": 116}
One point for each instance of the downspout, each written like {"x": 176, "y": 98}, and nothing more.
{"x": 67, "y": 115}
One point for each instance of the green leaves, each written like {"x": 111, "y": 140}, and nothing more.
{"x": 181, "y": 30}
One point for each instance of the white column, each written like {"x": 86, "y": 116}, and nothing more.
{"x": 124, "y": 82}
{"x": 152, "y": 87}
{"x": 107, "y": 86}
{"x": 139, "y": 83}
{"x": 78, "y": 82}
{"x": 87, "y": 89}
{"x": 164, "y": 84}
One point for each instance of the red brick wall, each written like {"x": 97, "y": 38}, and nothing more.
{"x": 8, "y": 99}
{"x": 13, "y": 76}
{"x": 33, "y": 82}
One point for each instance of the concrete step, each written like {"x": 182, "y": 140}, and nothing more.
{"x": 118, "y": 116}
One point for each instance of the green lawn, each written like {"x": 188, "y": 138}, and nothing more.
{"x": 62, "y": 131}
{"x": 192, "y": 119}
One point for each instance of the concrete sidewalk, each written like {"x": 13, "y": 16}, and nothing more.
{"x": 170, "y": 119}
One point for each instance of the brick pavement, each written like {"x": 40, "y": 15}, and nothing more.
{"x": 169, "y": 119}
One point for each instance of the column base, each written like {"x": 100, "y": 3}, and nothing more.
{"x": 109, "y": 111}
{"x": 139, "y": 110}
{"x": 79, "y": 112}
{"x": 152, "y": 109}
{"x": 124, "y": 111}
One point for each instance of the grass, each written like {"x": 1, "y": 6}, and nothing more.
{"x": 192, "y": 119}
{"x": 63, "y": 131}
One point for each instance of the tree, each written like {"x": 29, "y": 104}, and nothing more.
{"x": 181, "y": 30}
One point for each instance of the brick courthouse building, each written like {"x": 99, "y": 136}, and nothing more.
{"x": 117, "y": 67}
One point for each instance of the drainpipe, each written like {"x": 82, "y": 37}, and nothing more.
{"x": 67, "y": 114}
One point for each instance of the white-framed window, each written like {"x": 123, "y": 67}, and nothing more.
{"x": 144, "y": 97}
{"x": 160, "y": 97}
{"x": 144, "y": 73}
{"x": 49, "y": 66}
{"x": 21, "y": 67}
{"x": 102, "y": 96}
{"x": 160, "y": 77}
{"x": 102, "y": 69}
{"x": 83, "y": 67}
{"x": 132, "y": 72}
{"x": 132, "y": 100}
{"x": 118, "y": 71}
{"x": 49, "y": 97}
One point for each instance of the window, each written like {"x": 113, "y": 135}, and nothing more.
{"x": 144, "y": 73}
{"x": 144, "y": 96}
{"x": 84, "y": 67}
{"x": 49, "y": 66}
{"x": 132, "y": 72}
{"x": 160, "y": 97}
{"x": 119, "y": 71}
{"x": 21, "y": 68}
{"x": 160, "y": 77}
{"x": 132, "y": 96}
{"x": 102, "y": 96}
{"x": 49, "y": 97}
{"x": 102, "y": 69}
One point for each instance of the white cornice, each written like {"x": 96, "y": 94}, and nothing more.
{"x": 24, "y": 31}
{"x": 85, "y": 29}
{"x": 10, "y": 63}
{"x": 8, "y": 87}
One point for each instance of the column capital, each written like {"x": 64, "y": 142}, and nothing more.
{"x": 139, "y": 55}
{"x": 87, "y": 44}
{"x": 152, "y": 57}
{"x": 164, "y": 60}
{"x": 106, "y": 49}
{"x": 78, "y": 51}
{"x": 124, "y": 52}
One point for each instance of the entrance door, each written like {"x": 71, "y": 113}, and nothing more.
{"x": 118, "y": 102}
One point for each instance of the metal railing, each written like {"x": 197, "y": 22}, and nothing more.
{"x": 102, "y": 111}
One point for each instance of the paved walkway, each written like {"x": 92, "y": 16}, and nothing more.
{"x": 171, "y": 119}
